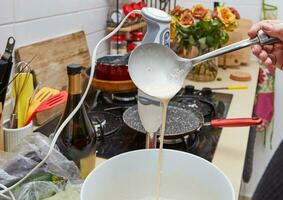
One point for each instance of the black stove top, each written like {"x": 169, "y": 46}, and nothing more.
{"x": 115, "y": 137}
{"x": 203, "y": 143}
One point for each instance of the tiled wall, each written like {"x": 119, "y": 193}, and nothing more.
{"x": 35, "y": 20}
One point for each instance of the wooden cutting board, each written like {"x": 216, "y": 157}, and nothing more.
{"x": 241, "y": 56}
{"x": 53, "y": 56}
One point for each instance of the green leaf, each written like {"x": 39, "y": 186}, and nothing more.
{"x": 202, "y": 42}
{"x": 210, "y": 40}
{"x": 184, "y": 30}
{"x": 192, "y": 40}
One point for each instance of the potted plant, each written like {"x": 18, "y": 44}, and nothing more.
{"x": 199, "y": 30}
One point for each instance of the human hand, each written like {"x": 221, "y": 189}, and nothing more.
{"x": 270, "y": 55}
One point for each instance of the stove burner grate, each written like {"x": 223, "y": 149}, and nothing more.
{"x": 120, "y": 99}
{"x": 105, "y": 123}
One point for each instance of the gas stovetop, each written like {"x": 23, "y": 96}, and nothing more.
{"x": 115, "y": 137}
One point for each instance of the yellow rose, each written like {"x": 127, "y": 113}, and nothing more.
{"x": 231, "y": 27}
{"x": 173, "y": 27}
{"x": 199, "y": 11}
{"x": 208, "y": 16}
{"x": 226, "y": 16}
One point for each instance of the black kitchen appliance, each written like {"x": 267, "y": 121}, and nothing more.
{"x": 115, "y": 137}
{"x": 212, "y": 105}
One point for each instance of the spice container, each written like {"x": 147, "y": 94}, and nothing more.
{"x": 136, "y": 40}
{"x": 137, "y": 37}
{"x": 118, "y": 45}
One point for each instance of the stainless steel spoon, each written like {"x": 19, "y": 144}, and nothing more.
{"x": 154, "y": 64}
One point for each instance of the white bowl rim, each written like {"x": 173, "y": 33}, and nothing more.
{"x": 168, "y": 150}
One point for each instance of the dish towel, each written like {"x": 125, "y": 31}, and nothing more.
{"x": 264, "y": 100}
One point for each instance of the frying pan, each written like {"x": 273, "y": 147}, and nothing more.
{"x": 183, "y": 120}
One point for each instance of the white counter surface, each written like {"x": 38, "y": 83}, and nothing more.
{"x": 231, "y": 148}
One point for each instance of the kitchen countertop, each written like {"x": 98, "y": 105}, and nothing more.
{"x": 230, "y": 152}
{"x": 231, "y": 149}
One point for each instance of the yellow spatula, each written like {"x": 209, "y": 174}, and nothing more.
{"x": 22, "y": 90}
{"x": 43, "y": 94}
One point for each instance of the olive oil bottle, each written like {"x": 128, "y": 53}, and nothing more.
{"x": 77, "y": 141}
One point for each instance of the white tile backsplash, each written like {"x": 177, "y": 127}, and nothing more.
{"x": 37, "y": 20}
{"x": 6, "y": 13}
{"x": 5, "y": 32}
{"x": 48, "y": 8}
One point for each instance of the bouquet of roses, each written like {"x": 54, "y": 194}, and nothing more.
{"x": 202, "y": 28}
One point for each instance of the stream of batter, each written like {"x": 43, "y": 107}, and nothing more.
{"x": 164, "y": 92}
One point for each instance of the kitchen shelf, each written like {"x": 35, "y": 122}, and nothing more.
{"x": 129, "y": 28}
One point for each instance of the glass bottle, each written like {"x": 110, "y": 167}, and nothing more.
{"x": 77, "y": 141}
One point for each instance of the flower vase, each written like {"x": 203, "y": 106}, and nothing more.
{"x": 204, "y": 72}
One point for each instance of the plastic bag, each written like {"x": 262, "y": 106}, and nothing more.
{"x": 72, "y": 192}
{"x": 46, "y": 181}
{"x": 14, "y": 166}
{"x": 36, "y": 190}
{"x": 35, "y": 146}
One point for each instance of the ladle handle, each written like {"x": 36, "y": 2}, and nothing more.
{"x": 262, "y": 38}
{"x": 236, "y": 122}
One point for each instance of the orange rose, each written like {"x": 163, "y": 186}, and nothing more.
{"x": 177, "y": 11}
{"x": 199, "y": 11}
{"x": 186, "y": 19}
{"x": 235, "y": 12}
{"x": 225, "y": 15}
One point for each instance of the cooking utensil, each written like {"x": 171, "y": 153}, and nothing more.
{"x": 50, "y": 107}
{"x": 112, "y": 67}
{"x": 184, "y": 176}
{"x": 6, "y": 64}
{"x": 158, "y": 25}
{"x": 234, "y": 87}
{"x": 43, "y": 94}
{"x": 155, "y": 64}
{"x": 22, "y": 91}
{"x": 111, "y": 86}
{"x": 182, "y": 120}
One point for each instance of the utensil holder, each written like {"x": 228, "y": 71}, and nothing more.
{"x": 13, "y": 137}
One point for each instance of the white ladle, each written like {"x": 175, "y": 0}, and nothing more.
{"x": 159, "y": 72}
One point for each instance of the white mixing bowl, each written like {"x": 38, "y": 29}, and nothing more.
{"x": 133, "y": 176}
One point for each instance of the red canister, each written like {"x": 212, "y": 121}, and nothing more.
{"x": 112, "y": 67}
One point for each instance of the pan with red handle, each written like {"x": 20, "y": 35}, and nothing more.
{"x": 182, "y": 120}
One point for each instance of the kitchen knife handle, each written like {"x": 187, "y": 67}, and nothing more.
{"x": 236, "y": 122}
{"x": 9, "y": 49}
{"x": 237, "y": 87}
